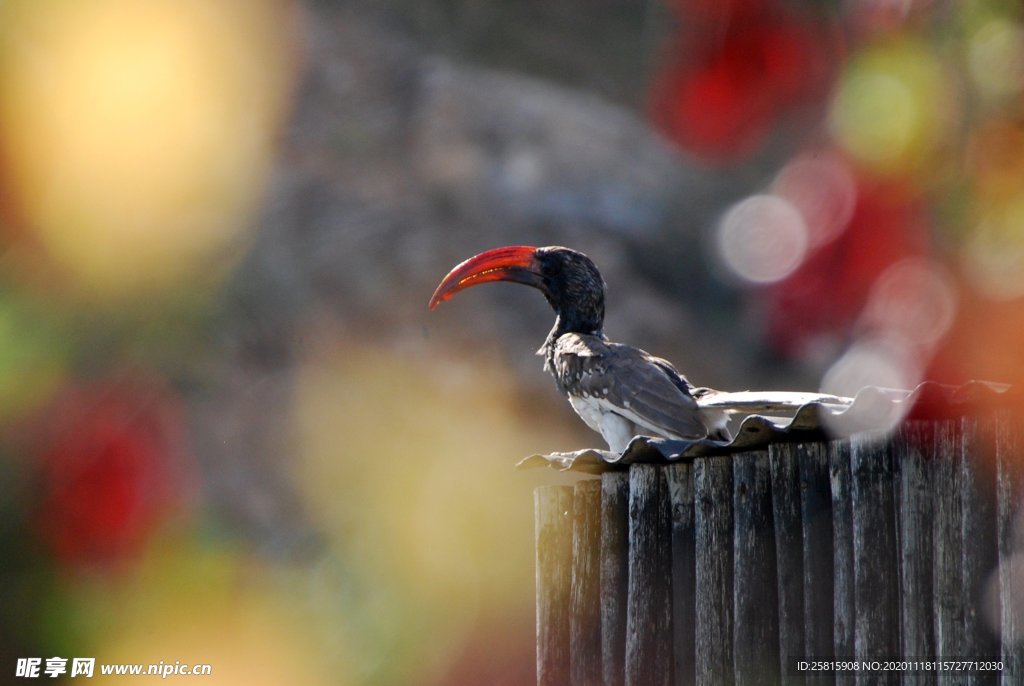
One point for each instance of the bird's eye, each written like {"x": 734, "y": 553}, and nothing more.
{"x": 551, "y": 268}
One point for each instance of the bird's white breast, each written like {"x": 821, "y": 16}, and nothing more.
{"x": 597, "y": 413}
{"x": 588, "y": 410}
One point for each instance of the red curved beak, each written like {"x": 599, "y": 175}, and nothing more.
{"x": 511, "y": 263}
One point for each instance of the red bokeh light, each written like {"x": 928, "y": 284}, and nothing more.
{"x": 720, "y": 10}
{"x": 109, "y": 469}
{"x": 826, "y": 295}
{"x": 740, "y": 70}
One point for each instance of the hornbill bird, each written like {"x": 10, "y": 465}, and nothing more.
{"x": 618, "y": 390}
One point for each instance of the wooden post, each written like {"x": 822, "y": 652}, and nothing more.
{"x": 1010, "y": 538}
{"x": 875, "y": 577}
{"x": 948, "y": 582}
{"x": 714, "y": 605}
{"x": 980, "y": 552}
{"x": 614, "y": 575}
{"x": 649, "y": 611}
{"x": 725, "y": 569}
{"x": 755, "y": 617}
{"x": 789, "y": 554}
{"x": 816, "y": 517}
{"x": 684, "y": 571}
{"x": 553, "y": 513}
{"x": 842, "y": 553}
{"x": 585, "y": 588}
{"x": 913, "y": 450}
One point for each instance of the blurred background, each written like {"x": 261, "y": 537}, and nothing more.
{"x": 230, "y": 431}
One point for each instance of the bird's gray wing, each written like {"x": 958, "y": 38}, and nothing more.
{"x": 644, "y": 389}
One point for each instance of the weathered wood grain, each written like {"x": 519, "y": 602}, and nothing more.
{"x": 947, "y": 580}
{"x": 684, "y": 570}
{"x": 585, "y": 586}
{"x": 1010, "y": 538}
{"x": 614, "y": 575}
{"x": 727, "y": 568}
{"x": 553, "y": 514}
{"x": 713, "y": 535}
{"x": 755, "y": 615}
{"x": 913, "y": 450}
{"x": 816, "y": 519}
{"x": 789, "y": 552}
{"x": 842, "y": 553}
{"x": 980, "y": 553}
{"x": 649, "y": 660}
{"x": 875, "y": 575}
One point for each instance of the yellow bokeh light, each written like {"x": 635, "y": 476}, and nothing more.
{"x": 407, "y": 467}
{"x": 892, "y": 106}
{"x": 33, "y": 358}
{"x": 436, "y": 493}
{"x": 995, "y": 57}
{"x": 191, "y": 606}
{"x": 994, "y": 251}
{"x": 136, "y": 136}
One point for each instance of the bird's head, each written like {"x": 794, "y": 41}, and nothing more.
{"x": 567, "y": 278}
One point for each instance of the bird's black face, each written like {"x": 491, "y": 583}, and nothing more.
{"x": 573, "y": 286}
{"x": 567, "y": 278}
